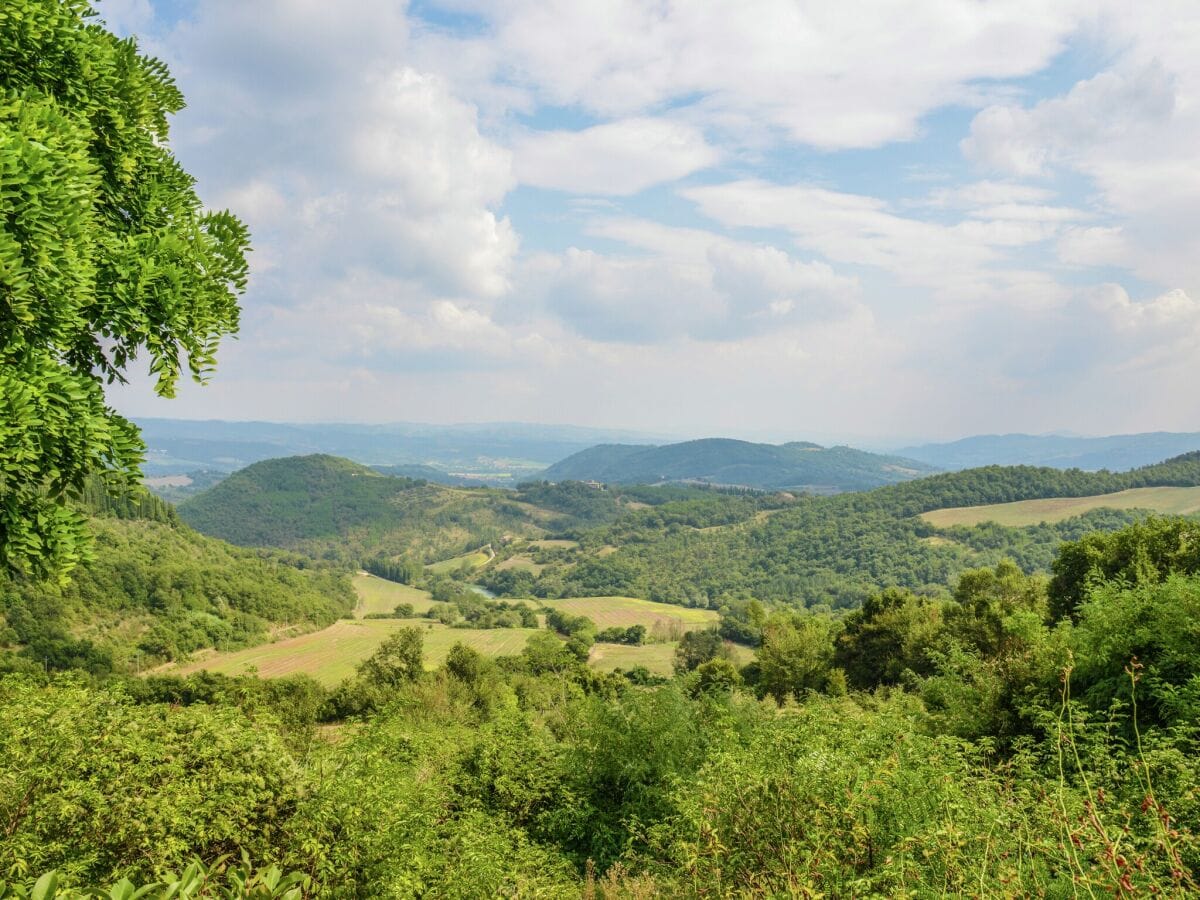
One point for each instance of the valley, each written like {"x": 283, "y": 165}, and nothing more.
{"x": 333, "y": 653}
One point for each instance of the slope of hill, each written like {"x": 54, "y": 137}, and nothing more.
{"x": 336, "y": 509}
{"x": 156, "y": 590}
{"x": 798, "y": 466}
{"x": 1115, "y": 452}
{"x": 836, "y": 550}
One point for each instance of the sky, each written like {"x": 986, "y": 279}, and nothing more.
{"x": 769, "y": 219}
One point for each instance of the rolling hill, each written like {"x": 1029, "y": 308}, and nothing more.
{"x": 837, "y": 550}
{"x": 155, "y": 590}
{"x": 335, "y": 509}
{"x": 1115, "y": 452}
{"x": 796, "y": 466}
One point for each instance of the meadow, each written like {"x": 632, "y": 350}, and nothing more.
{"x": 1167, "y": 500}
{"x": 378, "y": 595}
{"x": 333, "y": 653}
{"x": 471, "y": 560}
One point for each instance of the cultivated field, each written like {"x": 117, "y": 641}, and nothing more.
{"x": 655, "y": 657}
{"x": 333, "y": 653}
{"x": 658, "y": 658}
{"x": 662, "y": 620}
{"x": 378, "y": 595}
{"x": 1171, "y": 500}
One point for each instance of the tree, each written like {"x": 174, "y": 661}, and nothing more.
{"x": 399, "y": 659}
{"x": 105, "y": 253}
{"x": 795, "y": 656}
{"x": 888, "y": 636}
{"x": 698, "y": 647}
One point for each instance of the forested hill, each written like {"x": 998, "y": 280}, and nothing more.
{"x": 336, "y": 509}
{"x": 795, "y": 466}
{"x": 838, "y": 550}
{"x": 156, "y": 591}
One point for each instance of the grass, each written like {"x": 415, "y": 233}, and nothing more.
{"x": 378, "y": 595}
{"x": 467, "y": 560}
{"x": 333, "y": 653}
{"x": 520, "y": 561}
{"x": 1171, "y": 500}
{"x": 662, "y": 620}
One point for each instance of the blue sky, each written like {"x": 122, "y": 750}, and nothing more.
{"x": 779, "y": 220}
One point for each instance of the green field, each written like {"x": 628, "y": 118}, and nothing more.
{"x": 662, "y": 620}
{"x": 467, "y": 560}
{"x": 1171, "y": 500}
{"x": 521, "y": 561}
{"x": 333, "y": 653}
{"x": 378, "y": 595}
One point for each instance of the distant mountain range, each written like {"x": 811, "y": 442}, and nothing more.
{"x": 796, "y": 466}
{"x": 1116, "y": 453}
{"x": 496, "y": 453}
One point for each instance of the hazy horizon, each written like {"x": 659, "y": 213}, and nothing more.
{"x": 924, "y": 224}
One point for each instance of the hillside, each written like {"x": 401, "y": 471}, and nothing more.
{"x": 339, "y": 510}
{"x": 796, "y": 466}
{"x": 1114, "y": 452}
{"x": 156, "y": 591}
{"x": 834, "y": 550}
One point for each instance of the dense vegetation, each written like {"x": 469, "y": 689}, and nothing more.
{"x": 834, "y": 550}
{"x": 156, "y": 591}
{"x": 105, "y": 253}
{"x": 338, "y": 510}
{"x": 972, "y": 745}
{"x": 796, "y": 466}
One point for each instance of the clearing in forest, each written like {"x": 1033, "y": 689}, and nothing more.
{"x": 378, "y": 595}
{"x": 467, "y": 561}
{"x": 1170, "y": 500}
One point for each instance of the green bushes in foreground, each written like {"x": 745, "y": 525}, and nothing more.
{"x": 999, "y": 753}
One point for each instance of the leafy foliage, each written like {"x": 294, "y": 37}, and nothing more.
{"x": 105, "y": 252}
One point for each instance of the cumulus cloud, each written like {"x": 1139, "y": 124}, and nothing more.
{"x": 697, "y": 285}
{"x": 400, "y": 270}
{"x": 1107, "y": 107}
{"x": 821, "y": 73}
{"x": 621, "y": 157}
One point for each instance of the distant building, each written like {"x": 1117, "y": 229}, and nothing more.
{"x": 595, "y": 485}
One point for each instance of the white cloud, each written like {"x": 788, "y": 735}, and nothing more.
{"x": 694, "y": 285}
{"x": 823, "y": 73}
{"x": 1108, "y": 107}
{"x": 616, "y": 158}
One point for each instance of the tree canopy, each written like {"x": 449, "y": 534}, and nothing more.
{"x": 105, "y": 253}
